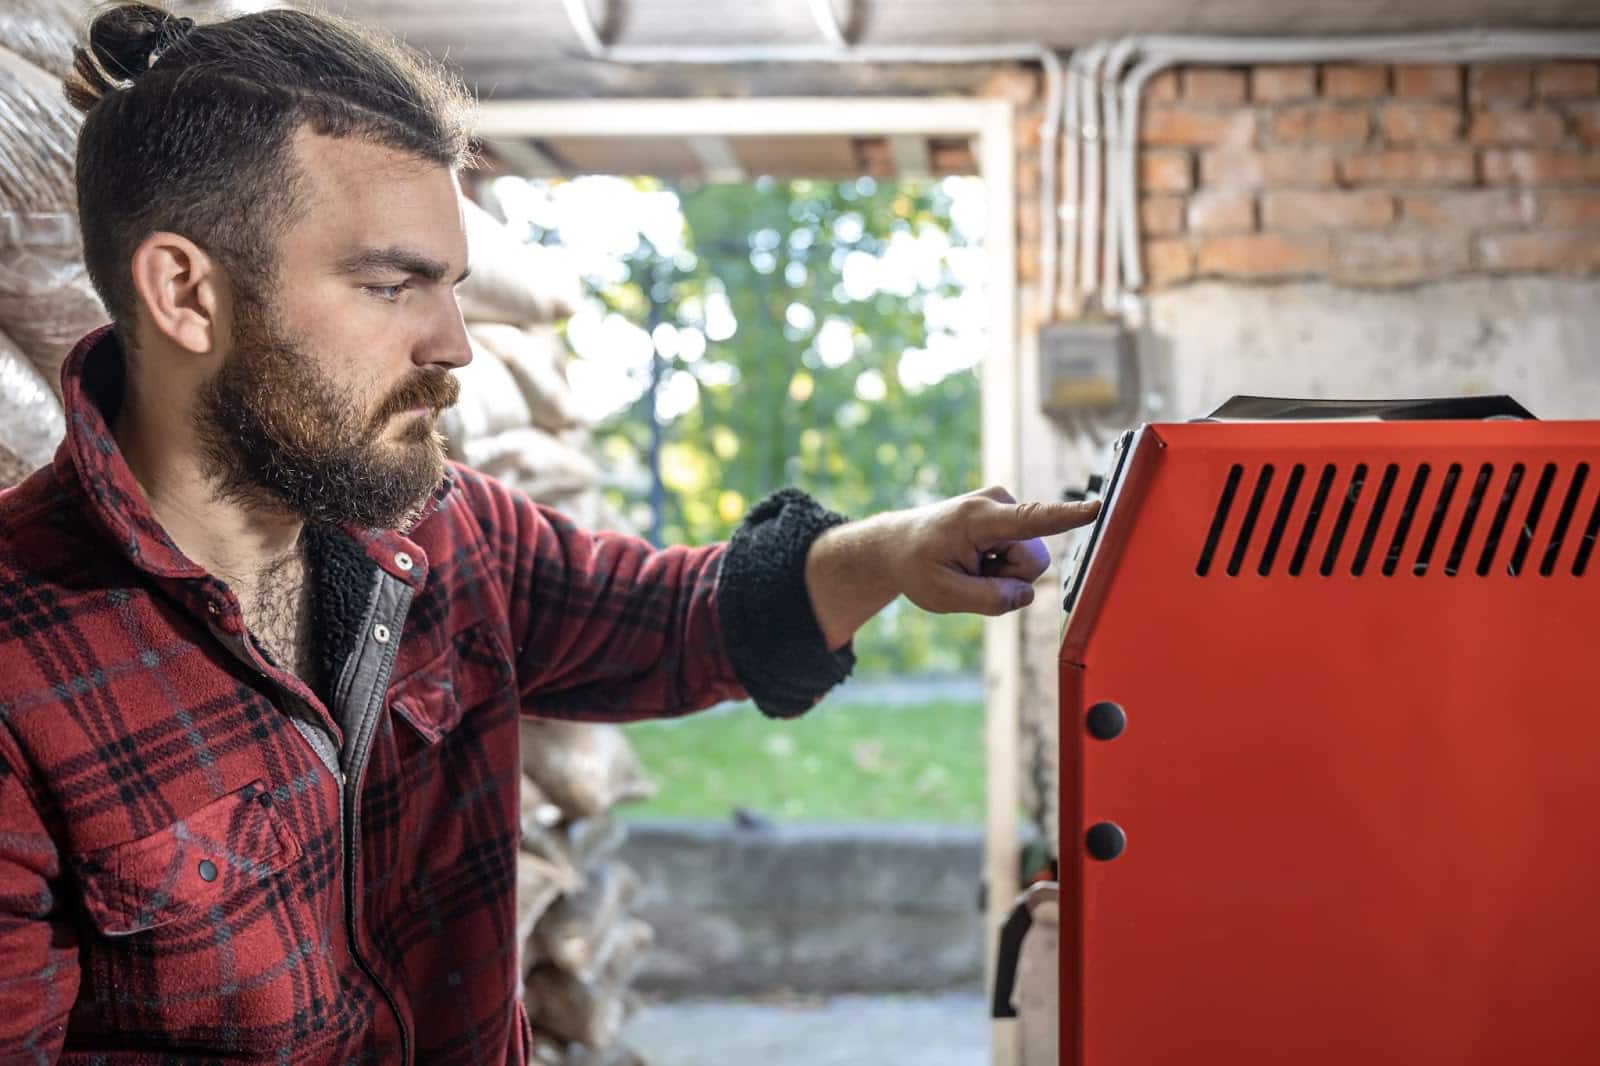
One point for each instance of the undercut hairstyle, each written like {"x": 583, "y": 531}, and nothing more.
{"x": 190, "y": 129}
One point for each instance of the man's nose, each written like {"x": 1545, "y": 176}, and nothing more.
{"x": 448, "y": 347}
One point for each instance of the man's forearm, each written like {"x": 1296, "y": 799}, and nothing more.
{"x": 850, "y": 575}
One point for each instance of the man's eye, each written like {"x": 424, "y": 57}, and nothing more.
{"x": 388, "y": 293}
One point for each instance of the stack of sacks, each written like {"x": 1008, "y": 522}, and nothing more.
{"x": 586, "y": 945}
{"x": 46, "y": 300}
{"x": 517, "y": 420}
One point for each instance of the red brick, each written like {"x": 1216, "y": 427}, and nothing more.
{"x": 1571, "y": 208}
{"x": 1567, "y": 80}
{"x": 1029, "y": 128}
{"x": 1409, "y": 167}
{"x": 1324, "y": 125}
{"x": 1161, "y": 216}
{"x": 1428, "y": 81}
{"x": 1162, "y": 88}
{"x": 1272, "y": 167}
{"x": 1265, "y": 255}
{"x": 1213, "y": 85}
{"x": 1540, "y": 250}
{"x": 1349, "y": 82}
{"x": 1309, "y": 210}
{"x": 1526, "y": 166}
{"x": 1016, "y": 86}
{"x": 1028, "y": 261}
{"x": 873, "y": 153}
{"x": 1166, "y": 171}
{"x": 1222, "y": 212}
{"x": 1473, "y": 208}
{"x": 1272, "y": 84}
{"x": 1516, "y": 127}
{"x": 1501, "y": 81}
{"x": 1421, "y": 123}
{"x": 1588, "y": 119}
{"x": 952, "y": 157}
{"x": 1028, "y": 215}
{"x": 1167, "y": 261}
{"x": 1400, "y": 258}
{"x": 1027, "y": 178}
{"x": 1182, "y": 124}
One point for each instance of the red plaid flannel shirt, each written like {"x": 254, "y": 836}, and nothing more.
{"x": 199, "y": 859}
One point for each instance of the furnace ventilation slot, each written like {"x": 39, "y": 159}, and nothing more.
{"x": 1358, "y": 520}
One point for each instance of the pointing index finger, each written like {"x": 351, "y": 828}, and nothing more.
{"x": 1024, "y": 521}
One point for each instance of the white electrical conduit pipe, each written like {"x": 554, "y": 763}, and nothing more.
{"x": 1048, "y": 61}
{"x": 1122, "y": 97}
{"x": 1080, "y": 194}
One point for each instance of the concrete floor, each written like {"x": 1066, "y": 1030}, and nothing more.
{"x": 948, "y": 1030}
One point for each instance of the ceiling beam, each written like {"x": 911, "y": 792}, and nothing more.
{"x": 524, "y": 157}
{"x": 911, "y": 159}
{"x": 936, "y": 117}
{"x": 717, "y": 161}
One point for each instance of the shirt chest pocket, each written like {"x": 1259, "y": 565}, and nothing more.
{"x": 201, "y": 935}
{"x": 472, "y": 673}
{"x": 446, "y": 773}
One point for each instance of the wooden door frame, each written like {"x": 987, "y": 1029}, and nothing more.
{"x": 992, "y": 124}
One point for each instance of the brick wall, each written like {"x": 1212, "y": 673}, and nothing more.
{"x": 1483, "y": 178}
{"x": 1370, "y": 175}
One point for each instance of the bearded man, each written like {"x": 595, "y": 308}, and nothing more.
{"x": 263, "y": 651}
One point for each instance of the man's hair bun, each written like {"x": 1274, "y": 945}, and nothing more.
{"x": 124, "y": 42}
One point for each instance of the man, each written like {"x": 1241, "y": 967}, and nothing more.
{"x": 262, "y": 653}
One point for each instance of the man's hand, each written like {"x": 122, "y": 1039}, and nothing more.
{"x": 979, "y": 554}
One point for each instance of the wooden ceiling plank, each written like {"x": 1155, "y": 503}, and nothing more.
{"x": 524, "y": 157}
{"x": 717, "y": 161}
{"x": 912, "y": 161}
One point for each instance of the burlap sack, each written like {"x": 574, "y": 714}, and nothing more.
{"x": 513, "y": 282}
{"x": 573, "y": 1009}
{"x": 589, "y": 842}
{"x": 38, "y": 138}
{"x": 531, "y": 357}
{"x": 539, "y": 815}
{"x": 490, "y": 403}
{"x": 539, "y": 885}
{"x": 584, "y": 769}
{"x": 12, "y": 468}
{"x": 623, "y": 953}
{"x": 531, "y": 460}
{"x": 547, "y": 1050}
{"x": 575, "y": 933}
{"x": 31, "y": 420}
{"x": 43, "y": 32}
{"x": 47, "y": 302}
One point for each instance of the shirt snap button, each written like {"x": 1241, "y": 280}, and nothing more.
{"x": 402, "y": 560}
{"x": 208, "y": 870}
{"x": 380, "y": 633}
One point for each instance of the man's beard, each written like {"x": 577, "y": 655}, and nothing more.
{"x": 274, "y": 428}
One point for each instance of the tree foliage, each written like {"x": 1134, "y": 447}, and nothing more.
{"x": 813, "y": 386}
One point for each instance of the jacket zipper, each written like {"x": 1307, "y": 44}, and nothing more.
{"x": 358, "y": 744}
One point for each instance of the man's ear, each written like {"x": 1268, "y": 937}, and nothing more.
{"x": 181, "y": 291}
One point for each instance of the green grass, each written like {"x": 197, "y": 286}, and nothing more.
{"x": 852, "y": 762}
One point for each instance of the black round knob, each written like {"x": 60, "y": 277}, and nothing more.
{"x": 1106, "y": 841}
{"x": 1106, "y": 720}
